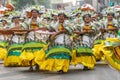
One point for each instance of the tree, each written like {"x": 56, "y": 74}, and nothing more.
{"x": 19, "y": 4}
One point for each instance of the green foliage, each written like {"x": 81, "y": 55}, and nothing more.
{"x": 19, "y": 4}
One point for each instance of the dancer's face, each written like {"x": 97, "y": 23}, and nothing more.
{"x": 61, "y": 18}
{"x": 110, "y": 17}
{"x": 87, "y": 18}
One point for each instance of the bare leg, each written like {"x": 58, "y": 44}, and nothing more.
{"x": 86, "y": 68}
{"x": 60, "y": 71}
{"x": 31, "y": 68}
{"x": 36, "y": 67}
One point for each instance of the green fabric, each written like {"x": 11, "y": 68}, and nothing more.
{"x": 3, "y": 44}
{"x": 98, "y": 42}
{"x": 119, "y": 32}
{"x": 118, "y": 35}
{"x": 15, "y": 47}
{"x": 32, "y": 45}
{"x": 58, "y": 49}
{"x": 84, "y": 51}
{"x": 59, "y": 56}
{"x": 14, "y": 53}
{"x": 32, "y": 49}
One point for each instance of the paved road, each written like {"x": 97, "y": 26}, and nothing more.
{"x": 101, "y": 72}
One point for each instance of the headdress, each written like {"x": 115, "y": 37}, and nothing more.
{"x": 87, "y": 9}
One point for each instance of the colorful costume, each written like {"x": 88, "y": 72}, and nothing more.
{"x": 59, "y": 54}
{"x": 110, "y": 25}
{"x": 82, "y": 51}
{"x": 35, "y": 42}
{"x": 111, "y": 50}
{"x": 15, "y": 49}
{"x": 5, "y": 38}
{"x": 104, "y": 35}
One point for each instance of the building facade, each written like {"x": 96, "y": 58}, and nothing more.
{"x": 55, "y": 4}
{"x": 97, "y": 4}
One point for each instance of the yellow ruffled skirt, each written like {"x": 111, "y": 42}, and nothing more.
{"x": 33, "y": 53}
{"x": 112, "y": 60}
{"x": 88, "y": 61}
{"x": 56, "y": 65}
{"x": 26, "y": 57}
{"x": 12, "y": 61}
{"x": 97, "y": 52}
{"x": 40, "y": 57}
{"x": 3, "y": 53}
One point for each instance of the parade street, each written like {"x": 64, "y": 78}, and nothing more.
{"x": 101, "y": 72}
{"x": 59, "y": 39}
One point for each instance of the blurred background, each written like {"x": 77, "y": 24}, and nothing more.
{"x": 65, "y": 4}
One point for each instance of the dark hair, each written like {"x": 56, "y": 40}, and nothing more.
{"x": 3, "y": 20}
{"x": 35, "y": 10}
{"x": 15, "y": 18}
{"x": 53, "y": 15}
{"x": 78, "y": 14}
{"x": 61, "y": 14}
{"x": 47, "y": 18}
{"x": 86, "y": 15}
{"x": 111, "y": 14}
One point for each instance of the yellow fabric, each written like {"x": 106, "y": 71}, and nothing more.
{"x": 34, "y": 25}
{"x": 113, "y": 39}
{"x": 12, "y": 61}
{"x": 61, "y": 27}
{"x": 88, "y": 61}
{"x": 45, "y": 47}
{"x": 108, "y": 54}
{"x": 86, "y": 27}
{"x": 3, "y": 53}
{"x": 117, "y": 51}
{"x": 110, "y": 25}
{"x": 36, "y": 56}
{"x": 40, "y": 57}
{"x": 27, "y": 55}
{"x": 26, "y": 63}
{"x": 97, "y": 51}
{"x": 74, "y": 61}
{"x": 56, "y": 65}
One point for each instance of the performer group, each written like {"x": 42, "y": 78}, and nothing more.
{"x": 55, "y": 39}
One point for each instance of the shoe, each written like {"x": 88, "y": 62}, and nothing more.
{"x": 31, "y": 69}
{"x": 36, "y": 67}
{"x": 86, "y": 68}
{"x": 60, "y": 71}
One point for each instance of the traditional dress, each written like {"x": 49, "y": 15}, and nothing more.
{"x": 82, "y": 51}
{"x": 4, "y": 39}
{"x": 108, "y": 34}
{"x": 4, "y": 43}
{"x": 35, "y": 42}
{"x": 58, "y": 55}
{"x": 111, "y": 50}
{"x": 110, "y": 25}
{"x": 15, "y": 49}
